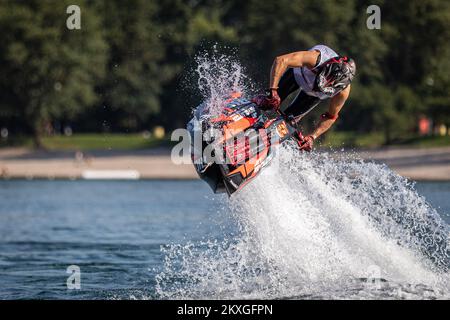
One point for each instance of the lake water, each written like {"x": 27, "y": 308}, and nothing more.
{"x": 113, "y": 231}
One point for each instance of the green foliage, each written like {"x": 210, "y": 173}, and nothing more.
{"x": 101, "y": 142}
{"x": 48, "y": 71}
{"x": 128, "y": 64}
{"x": 132, "y": 85}
{"x": 341, "y": 139}
{"x": 188, "y": 27}
{"x": 88, "y": 141}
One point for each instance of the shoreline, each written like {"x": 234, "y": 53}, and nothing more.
{"x": 430, "y": 164}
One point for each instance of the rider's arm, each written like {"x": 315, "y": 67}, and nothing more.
{"x": 336, "y": 104}
{"x": 291, "y": 60}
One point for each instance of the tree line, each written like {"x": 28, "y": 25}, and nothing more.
{"x": 122, "y": 70}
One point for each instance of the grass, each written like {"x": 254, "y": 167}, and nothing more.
{"x": 335, "y": 139}
{"x": 427, "y": 142}
{"x": 372, "y": 140}
{"x": 339, "y": 139}
{"x": 91, "y": 142}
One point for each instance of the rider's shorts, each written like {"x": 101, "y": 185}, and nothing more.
{"x": 302, "y": 103}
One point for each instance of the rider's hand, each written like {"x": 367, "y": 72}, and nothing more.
{"x": 306, "y": 144}
{"x": 270, "y": 100}
{"x": 275, "y": 99}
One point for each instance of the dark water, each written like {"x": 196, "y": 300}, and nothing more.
{"x": 112, "y": 231}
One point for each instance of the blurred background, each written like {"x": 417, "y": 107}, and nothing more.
{"x": 124, "y": 72}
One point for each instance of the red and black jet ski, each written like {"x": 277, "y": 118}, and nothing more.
{"x": 228, "y": 150}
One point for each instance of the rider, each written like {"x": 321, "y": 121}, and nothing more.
{"x": 321, "y": 74}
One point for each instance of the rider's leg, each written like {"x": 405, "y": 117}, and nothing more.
{"x": 287, "y": 84}
{"x": 301, "y": 105}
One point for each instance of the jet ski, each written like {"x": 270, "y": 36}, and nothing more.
{"x": 230, "y": 148}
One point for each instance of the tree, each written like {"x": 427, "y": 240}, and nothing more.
{"x": 132, "y": 86}
{"x": 147, "y": 48}
{"x": 405, "y": 69}
{"x": 48, "y": 71}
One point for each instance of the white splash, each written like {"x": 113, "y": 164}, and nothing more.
{"x": 313, "y": 226}
{"x": 218, "y": 76}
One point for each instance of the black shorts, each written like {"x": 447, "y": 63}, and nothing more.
{"x": 302, "y": 103}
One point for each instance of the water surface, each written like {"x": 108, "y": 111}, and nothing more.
{"x": 112, "y": 230}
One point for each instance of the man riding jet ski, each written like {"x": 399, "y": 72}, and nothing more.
{"x": 229, "y": 149}
{"x": 320, "y": 74}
